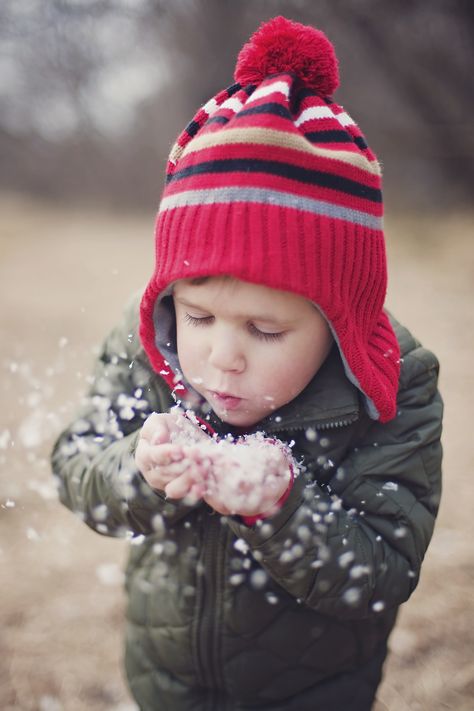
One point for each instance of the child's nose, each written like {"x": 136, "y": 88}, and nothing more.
{"x": 226, "y": 355}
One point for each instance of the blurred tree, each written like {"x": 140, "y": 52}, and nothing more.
{"x": 425, "y": 53}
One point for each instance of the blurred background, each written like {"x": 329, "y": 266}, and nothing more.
{"x": 92, "y": 95}
{"x": 92, "y": 91}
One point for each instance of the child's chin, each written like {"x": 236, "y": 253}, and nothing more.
{"x": 239, "y": 418}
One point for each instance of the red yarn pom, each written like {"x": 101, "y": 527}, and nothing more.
{"x": 281, "y": 45}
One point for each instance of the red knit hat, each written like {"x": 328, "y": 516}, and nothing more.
{"x": 273, "y": 183}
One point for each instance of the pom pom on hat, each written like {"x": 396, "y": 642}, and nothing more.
{"x": 281, "y": 45}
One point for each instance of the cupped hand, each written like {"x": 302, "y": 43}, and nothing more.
{"x": 160, "y": 455}
{"x": 247, "y": 480}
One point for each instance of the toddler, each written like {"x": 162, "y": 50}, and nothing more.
{"x": 262, "y": 428}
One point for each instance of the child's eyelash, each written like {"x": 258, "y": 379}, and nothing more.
{"x": 194, "y": 321}
{"x": 262, "y": 335}
{"x": 265, "y": 336}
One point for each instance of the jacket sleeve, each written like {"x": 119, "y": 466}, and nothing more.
{"x": 350, "y": 540}
{"x": 93, "y": 459}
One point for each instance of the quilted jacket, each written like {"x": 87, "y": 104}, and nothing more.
{"x": 278, "y": 615}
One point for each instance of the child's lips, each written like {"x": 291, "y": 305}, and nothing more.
{"x": 226, "y": 400}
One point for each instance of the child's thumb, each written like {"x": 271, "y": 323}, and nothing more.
{"x": 161, "y": 435}
{"x": 155, "y": 429}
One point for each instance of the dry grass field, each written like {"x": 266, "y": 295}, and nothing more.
{"x": 64, "y": 277}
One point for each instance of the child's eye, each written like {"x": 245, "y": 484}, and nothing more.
{"x": 264, "y": 336}
{"x": 197, "y": 321}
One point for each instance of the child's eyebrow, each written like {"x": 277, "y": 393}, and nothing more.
{"x": 186, "y": 302}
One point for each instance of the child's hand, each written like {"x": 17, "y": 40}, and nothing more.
{"x": 247, "y": 479}
{"x": 160, "y": 457}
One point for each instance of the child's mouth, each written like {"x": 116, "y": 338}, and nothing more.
{"x": 225, "y": 400}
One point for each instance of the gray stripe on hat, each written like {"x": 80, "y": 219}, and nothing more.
{"x": 269, "y": 197}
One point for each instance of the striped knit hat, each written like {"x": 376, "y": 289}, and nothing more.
{"x": 273, "y": 183}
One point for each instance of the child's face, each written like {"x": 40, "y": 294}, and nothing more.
{"x": 247, "y": 349}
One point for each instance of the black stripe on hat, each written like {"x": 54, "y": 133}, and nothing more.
{"x": 329, "y": 136}
{"x": 360, "y": 142}
{"x": 299, "y": 96}
{"x": 249, "y": 89}
{"x": 270, "y": 108}
{"x": 336, "y": 137}
{"x": 192, "y": 128}
{"x": 284, "y": 170}
{"x": 233, "y": 89}
{"x": 217, "y": 119}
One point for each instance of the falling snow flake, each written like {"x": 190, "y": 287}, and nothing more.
{"x": 5, "y": 439}
{"x": 109, "y": 574}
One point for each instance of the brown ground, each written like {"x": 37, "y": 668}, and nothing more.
{"x": 64, "y": 276}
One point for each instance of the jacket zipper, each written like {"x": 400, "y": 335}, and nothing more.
{"x": 336, "y": 423}
{"x": 209, "y": 587}
{"x": 328, "y": 425}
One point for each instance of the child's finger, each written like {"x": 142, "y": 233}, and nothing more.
{"x": 161, "y": 435}
{"x": 180, "y": 486}
{"x": 156, "y": 428}
{"x": 197, "y": 491}
{"x": 151, "y": 423}
{"x": 166, "y": 454}
{"x": 171, "y": 471}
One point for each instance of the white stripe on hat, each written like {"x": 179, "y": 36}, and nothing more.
{"x": 314, "y": 112}
{"x": 211, "y": 106}
{"x": 232, "y": 103}
{"x": 276, "y": 87}
{"x": 344, "y": 119}
{"x": 324, "y": 112}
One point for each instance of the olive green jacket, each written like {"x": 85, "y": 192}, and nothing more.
{"x": 222, "y": 615}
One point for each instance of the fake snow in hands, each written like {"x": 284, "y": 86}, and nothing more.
{"x": 243, "y": 473}
{"x": 188, "y": 430}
